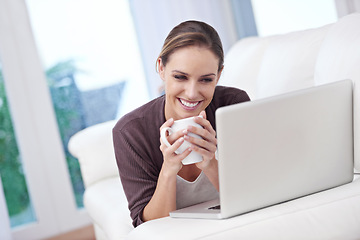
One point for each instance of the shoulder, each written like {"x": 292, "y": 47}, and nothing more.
{"x": 224, "y": 96}
{"x": 152, "y": 111}
{"x": 228, "y": 95}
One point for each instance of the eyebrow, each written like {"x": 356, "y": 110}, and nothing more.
{"x": 206, "y": 75}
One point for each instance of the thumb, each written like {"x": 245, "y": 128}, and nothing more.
{"x": 203, "y": 114}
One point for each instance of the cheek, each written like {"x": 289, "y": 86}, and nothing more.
{"x": 171, "y": 83}
{"x": 171, "y": 87}
{"x": 209, "y": 91}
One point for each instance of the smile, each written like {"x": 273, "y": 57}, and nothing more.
{"x": 188, "y": 104}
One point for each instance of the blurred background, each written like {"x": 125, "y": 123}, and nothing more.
{"x": 69, "y": 64}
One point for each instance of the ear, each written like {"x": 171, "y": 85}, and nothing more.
{"x": 161, "y": 69}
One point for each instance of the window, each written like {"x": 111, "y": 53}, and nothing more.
{"x": 67, "y": 67}
{"x": 12, "y": 174}
{"x": 90, "y": 56}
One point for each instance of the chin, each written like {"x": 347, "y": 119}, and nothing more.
{"x": 190, "y": 114}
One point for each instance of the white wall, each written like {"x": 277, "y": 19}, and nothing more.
{"x": 283, "y": 16}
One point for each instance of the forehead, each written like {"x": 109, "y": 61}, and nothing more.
{"x": 193, "y": 55}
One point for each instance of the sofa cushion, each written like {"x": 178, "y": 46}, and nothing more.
{"x": 289, "y": 62}
{"x": 339, "y": 58}
{"x": 93, "y": 147}
{"x": 324, "y": 215}
{"x": 242, "y": 64}
{"x": 106, "y": 204}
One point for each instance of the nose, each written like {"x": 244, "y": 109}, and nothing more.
{"x": 191, "y": 90}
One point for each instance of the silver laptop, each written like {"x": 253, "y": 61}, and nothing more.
{"x": 281, "y": 148}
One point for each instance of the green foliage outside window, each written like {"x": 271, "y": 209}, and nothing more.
{"x": 68, "y": 109}
{"x": 17, "y": 197}
{"x": 66, "y": 102}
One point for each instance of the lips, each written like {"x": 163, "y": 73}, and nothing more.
{"x": 189, "y": 105}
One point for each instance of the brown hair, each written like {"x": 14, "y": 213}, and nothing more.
{"x": 192, "y": 33}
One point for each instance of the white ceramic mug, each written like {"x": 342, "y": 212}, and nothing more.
{"x": 178, "y": 125}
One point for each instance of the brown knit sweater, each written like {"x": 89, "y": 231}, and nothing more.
{"x": 136, "y": 139}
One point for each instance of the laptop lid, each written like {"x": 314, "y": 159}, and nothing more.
{"x": 284, "y": 147}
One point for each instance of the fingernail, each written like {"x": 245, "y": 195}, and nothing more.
{"x": 185, "y": 131}
{"x": 181, "y": 139}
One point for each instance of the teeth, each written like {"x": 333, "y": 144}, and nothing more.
{"x": 188, "y": 104}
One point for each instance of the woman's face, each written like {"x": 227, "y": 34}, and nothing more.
{"x": 190, "y": 78}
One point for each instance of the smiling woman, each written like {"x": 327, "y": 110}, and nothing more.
{"x": 190, "y": 77}
{"x": 190, "y": 65}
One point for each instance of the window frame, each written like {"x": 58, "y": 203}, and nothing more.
{"x": 36, "y": 129}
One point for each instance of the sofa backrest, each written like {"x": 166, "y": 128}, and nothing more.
{"x": 339, "y": 58}
{"x": 93, "y": 147}
{"x": 268, "y": 66}
{"x": 289, "y": 62}
{"x": 277, "y": 64}
{"x": 242, "y": 64}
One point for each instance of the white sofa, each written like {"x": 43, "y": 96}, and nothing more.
{"x": 263, "y": 67}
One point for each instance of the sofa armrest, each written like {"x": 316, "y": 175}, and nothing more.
{"x": 93, "y": 147}
{"x": 106, "y": 204}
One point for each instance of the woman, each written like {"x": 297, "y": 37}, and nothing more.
{"x": 154, "y": 180}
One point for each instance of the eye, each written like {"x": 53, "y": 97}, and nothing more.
{"x": 206, "y": 80}
{"x": 180, "y": 77}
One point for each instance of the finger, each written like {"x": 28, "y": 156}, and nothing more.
{"x": 203, "y": 152}
{"x": 185, "y": 153}
{"x": 205, "y": 124}
{"x": 202, "y": 143}
{"x": 162, "y": 145}
{"x": 204, "y": 133}
{"x": 170, "y": 151}
{"x": 168, "y": 123}
{"x": 175, "y": 136}
{"x": 175, "y": 145}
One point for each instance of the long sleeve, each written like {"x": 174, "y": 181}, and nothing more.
{"x": 136, "y": 141}
{"x": 135, "y": 173}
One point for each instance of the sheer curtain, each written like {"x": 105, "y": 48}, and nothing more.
{"x": 345, "y": 7}
{"x": 154, "y": 19}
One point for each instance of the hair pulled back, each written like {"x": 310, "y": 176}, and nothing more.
{"x": 192, "y": 33}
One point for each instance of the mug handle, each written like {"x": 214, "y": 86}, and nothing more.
{"x": 163, "y": 135}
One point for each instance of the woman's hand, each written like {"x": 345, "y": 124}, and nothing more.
{"x": 207, "y": 145}
{"x": 172, "y": 161}
{"x": 163, "y": 200}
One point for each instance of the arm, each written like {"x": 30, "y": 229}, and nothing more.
{"x": 163, "y": 200}
{"x": 150, "y": 191}
{"x": 138, "y": 176}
